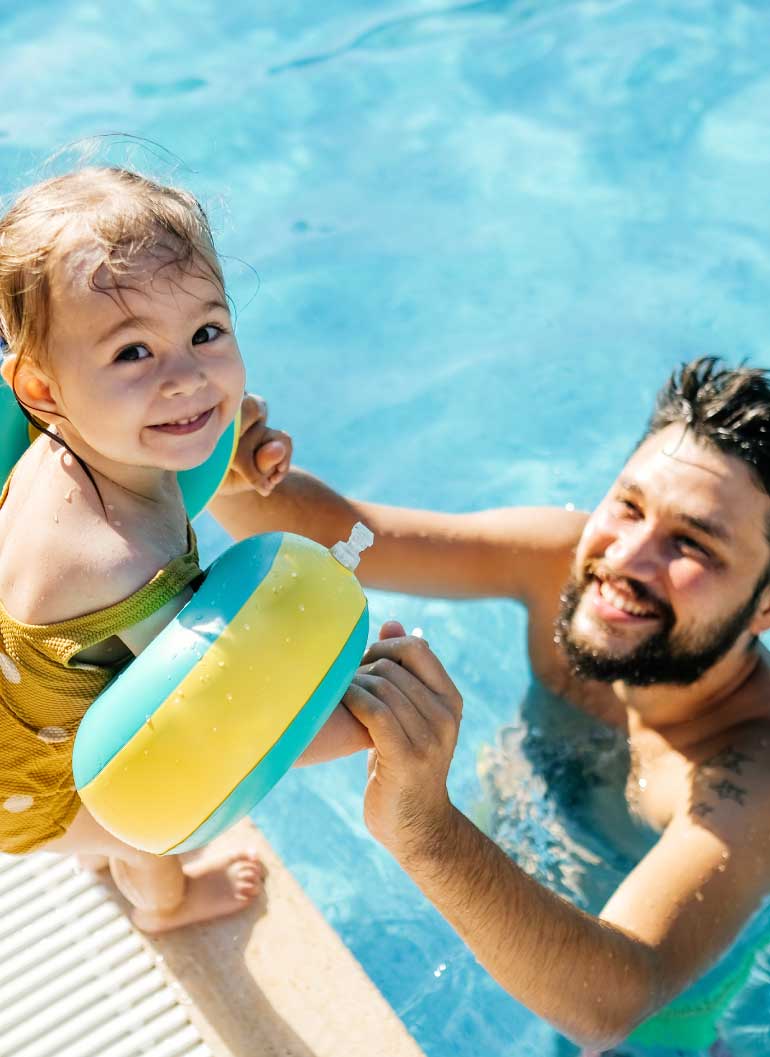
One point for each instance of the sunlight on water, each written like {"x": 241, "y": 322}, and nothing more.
{"x": 467, "y": 243}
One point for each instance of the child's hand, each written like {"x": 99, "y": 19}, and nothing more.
{"x": 263, "y": 455}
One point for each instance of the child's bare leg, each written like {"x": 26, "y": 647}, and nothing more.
{"x": 216, "y": 884}
{"x": 165, "y": 893}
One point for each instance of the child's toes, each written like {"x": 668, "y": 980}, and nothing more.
{"x": 251, "y": 857}
{"x": 247, "y": 883}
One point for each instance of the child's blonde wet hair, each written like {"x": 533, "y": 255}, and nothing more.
{"x": 119, "y": 213}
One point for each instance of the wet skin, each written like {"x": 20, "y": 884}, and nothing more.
{"x": 678, "y": 544}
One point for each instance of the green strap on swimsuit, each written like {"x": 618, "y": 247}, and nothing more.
{"x": 693, "y": 1023}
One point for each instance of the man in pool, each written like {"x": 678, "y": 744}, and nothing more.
{"x": 644, "y": 614}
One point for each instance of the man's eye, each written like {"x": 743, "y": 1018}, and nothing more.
{"x": 687, "y": 543}
{"x": 203, "y": 335}
{"x": 628, "y": 507}
{"x": 133, "y": 353}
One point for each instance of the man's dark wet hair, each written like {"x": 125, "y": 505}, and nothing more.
{"x": 728, "y": 407}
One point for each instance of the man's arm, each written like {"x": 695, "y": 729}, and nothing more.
{"x": 594, "y": 978}
{"x": 518, "y": 552}
{"x": 513, "y": 552}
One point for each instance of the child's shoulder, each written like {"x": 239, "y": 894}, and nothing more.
{"x": 74, "y": 573}
{"x": 88, "y": 573}
{"x": 60, "y": 556}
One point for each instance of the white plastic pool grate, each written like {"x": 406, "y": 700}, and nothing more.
{"x": 75, "y": 979}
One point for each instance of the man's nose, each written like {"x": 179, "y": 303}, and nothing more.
{"x": 635, "y": 553}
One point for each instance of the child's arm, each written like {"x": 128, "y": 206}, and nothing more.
{"x": 341, "y": 735}
{"x": 139, "y": 636}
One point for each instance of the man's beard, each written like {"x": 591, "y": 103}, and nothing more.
{"x": 665, "y": 657}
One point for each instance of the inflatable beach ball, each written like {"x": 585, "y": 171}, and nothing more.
{"x": 188, "y": 738}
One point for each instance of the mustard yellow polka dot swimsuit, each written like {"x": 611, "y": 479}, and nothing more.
{"x": 43, "y": 696}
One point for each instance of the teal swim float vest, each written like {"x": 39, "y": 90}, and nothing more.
{"x": 198, "y": 485}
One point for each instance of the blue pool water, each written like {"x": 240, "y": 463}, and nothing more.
{"x": 468, "y": 241}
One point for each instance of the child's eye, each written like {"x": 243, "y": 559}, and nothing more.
{"x": 132, "y": 353}
{"x": 203, "y": 335}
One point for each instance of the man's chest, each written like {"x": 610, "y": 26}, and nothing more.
{"x": 659, "y": 780}
{"x": 658, "y": 777}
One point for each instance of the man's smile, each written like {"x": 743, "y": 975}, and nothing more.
{"x": 615, "y": 601}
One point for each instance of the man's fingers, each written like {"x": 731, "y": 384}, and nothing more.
{"x": 421, "y": 715}
{"x": 416, "y": 656}
{"x": 384, "y": 724}
{"x": 430, "y": 706}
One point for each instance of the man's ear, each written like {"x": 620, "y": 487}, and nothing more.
{"x": 761, "y": 620}
{"x": 31, "y": 386}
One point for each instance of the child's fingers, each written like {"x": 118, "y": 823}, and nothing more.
{"x": 244, "y": 460}
{"x": 392, "y": 629}
{"x": 253, "y": 411}
{"x": 260, "y": 451}
{"x": 263, "y": 456}
{"x": 273, "y": 452}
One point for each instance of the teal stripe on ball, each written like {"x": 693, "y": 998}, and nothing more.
{"x": 292, "y": 743}
{"x": 125, "y": 704}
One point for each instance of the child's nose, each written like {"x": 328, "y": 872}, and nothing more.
{"x": 183, "y": 380}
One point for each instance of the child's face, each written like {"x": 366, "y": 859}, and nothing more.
{"x": 148, "y": 375}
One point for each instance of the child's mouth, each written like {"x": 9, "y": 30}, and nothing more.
{"x": 185, "y": 425}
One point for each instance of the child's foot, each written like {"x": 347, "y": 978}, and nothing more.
{"x": 92, "y": 863}
{"x": 217, "y": 885}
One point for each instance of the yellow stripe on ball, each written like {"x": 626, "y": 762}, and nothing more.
{"x": 236, "y": 702}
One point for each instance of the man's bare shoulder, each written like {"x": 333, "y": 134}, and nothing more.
{"x": 730, "y": 788}
{"x": 733, "y": 778}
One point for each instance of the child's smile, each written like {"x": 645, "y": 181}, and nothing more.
{"x": 186, "y": 425}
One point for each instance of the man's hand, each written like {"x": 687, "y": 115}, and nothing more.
{"x": 263, "y": 455}
{"x": 412, "y": 710}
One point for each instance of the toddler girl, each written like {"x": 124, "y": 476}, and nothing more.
{"x": 118, "y": 339}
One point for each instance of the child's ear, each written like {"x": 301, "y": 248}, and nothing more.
{"x": 7, "y": 365}
{"x": 32, "y": 387}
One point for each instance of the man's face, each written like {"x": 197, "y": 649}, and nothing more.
{"x": 669, "y": 571}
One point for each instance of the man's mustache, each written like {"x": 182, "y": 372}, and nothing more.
{"x": 595, "y": 569}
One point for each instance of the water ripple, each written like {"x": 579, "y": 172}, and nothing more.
{"x": 408, "y": 30}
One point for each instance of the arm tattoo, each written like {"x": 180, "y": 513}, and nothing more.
{"x": 700, "y": 810}
{"x": 726, "y": 790}
{"x": 729, "y": 759}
